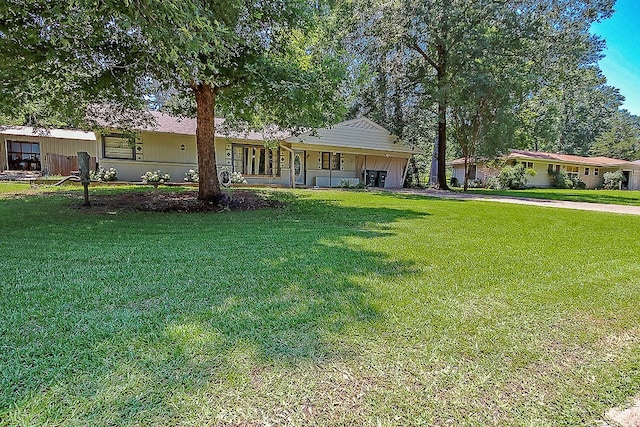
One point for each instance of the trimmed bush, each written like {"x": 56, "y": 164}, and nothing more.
{"x": 104, "y": 175}
{"x": 511, "y": 178}
{"x": 612, "y": 180}
{"x": 191, "y": 175}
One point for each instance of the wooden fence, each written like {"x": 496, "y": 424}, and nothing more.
{"x": 58, "y": 164}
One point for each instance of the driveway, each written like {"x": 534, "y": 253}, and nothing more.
{"x": 583, "y": 206}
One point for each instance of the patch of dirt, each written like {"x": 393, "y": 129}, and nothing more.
{"x": 187, "y": 202}
{"x": 629, "y": 417}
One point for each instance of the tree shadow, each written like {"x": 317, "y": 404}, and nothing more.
{"x": 112, "y": 313}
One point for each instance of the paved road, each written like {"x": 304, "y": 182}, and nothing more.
{"x": 599, "y": 207}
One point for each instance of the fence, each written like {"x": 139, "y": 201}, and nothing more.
{"x": 59, "y": 164}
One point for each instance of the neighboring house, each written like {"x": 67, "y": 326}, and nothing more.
{"x": 46, "y": 151}
{"x": 327, "y": 157}
{"x": 589, "y": 170}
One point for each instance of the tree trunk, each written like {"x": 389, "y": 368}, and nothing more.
{"x": 442, "y": 117}
{"x": 208, "y": 184}
{"x": 433, "y": 171}
{"x": 466, "y": 172}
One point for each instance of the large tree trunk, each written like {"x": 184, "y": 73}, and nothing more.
{"x": 208, "y": 184}
{"x": 442, "y": 118}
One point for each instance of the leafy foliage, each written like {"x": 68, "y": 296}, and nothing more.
{"x": 612, "y": 180}
{"x": 104, "y": 175}
{"x": 511, "y": 178}
{"x": 492, "y": 73}
{"x": 155, "y": 177}
{"x": 622, "y": 140}
{"x": 255, "y": 60}
{"x": 191, "y": 175}
{"x": 560, "y": 179}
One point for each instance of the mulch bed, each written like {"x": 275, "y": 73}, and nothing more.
{"x": 186, "y": 201}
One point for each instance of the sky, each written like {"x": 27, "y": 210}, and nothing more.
{"x": 621, "y": 64}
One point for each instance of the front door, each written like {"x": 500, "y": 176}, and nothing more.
{"x": 299, "y": 167}
{"x": 625, "y": 180}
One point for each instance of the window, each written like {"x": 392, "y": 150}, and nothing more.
{"x": 586, "y": 171}
{"x": 527, "y": 165}
{"x": 572, "y": 171}
{"x": 117, "y": 147}
{"x": 23, "y": 155}
{"x": 596, "y": 171}
{"x": 255, "y": 160}
{"x": 550, "y": 168}
{"x": 334, "y": 158}
{"x": 557, "y": 168}
{"x": 473, "y": 171}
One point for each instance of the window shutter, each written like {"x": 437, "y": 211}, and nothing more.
{"x": 227, "y": 154}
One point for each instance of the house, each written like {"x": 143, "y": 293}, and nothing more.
{"x": 352, "y": 152}
{"x": 589, "y": 170}
{"x": 46, "y": 151}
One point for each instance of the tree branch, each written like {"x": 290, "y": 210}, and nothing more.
{"x": 424, "y": 54}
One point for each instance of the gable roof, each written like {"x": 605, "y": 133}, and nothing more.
{"x": 48, "y": 133}
{"x": 360, "y": 133}
{"x": 599, "y": 161}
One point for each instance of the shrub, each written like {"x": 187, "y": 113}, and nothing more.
{"x": 237, "y": 178}
{"x": 156, "y": 177}
{"x": 612, "y": 180}
{"x": 493, "y": 183}
{"x": 475, "y": 183}
{"x": 191, "y": 175}
{"x": 514, "y": 177}
{"x": 227, "y": 178}
{"x": 345, "y": 183}
{"x": 577, "y": 184}
{"x": 104, "y": 175}
{"x": 561, "y": 179}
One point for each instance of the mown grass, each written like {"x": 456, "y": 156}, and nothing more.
{"x": 614, "y": 197}
{"x": 8, "y": 187}
{"x": 344, "y": 308}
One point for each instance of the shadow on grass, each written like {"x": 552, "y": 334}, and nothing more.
{"x": 108, "y": 316}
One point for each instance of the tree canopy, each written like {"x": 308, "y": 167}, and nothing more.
{"x": 255, "y": 59}
{"x": 523, "y": 73}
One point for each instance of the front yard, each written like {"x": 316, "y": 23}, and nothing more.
{"x": 342, "y": 308}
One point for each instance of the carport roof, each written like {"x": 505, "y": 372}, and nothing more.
{"x": 48, "y": 133}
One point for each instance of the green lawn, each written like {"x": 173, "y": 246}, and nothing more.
{"x": 13, "y": 187}
{"x": 612, "y": 197}
{"x": 344, "y": 308}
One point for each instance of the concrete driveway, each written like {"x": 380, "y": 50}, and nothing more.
{"x": 583, "y": 206}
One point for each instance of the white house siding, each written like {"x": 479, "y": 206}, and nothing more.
{"x": 541, "y": 179}
{"x": 634, "y": 182}
{"x": 482, "y": 173}
{"x": 314, "y": 168}
{"x": 175, "y": 154}
{"x": 3, "y": 154}
{"x": 395, "y": 167}
{"x": 66, "y": 147}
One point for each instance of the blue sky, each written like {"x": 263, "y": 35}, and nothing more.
{"x": 621, "y": 64}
